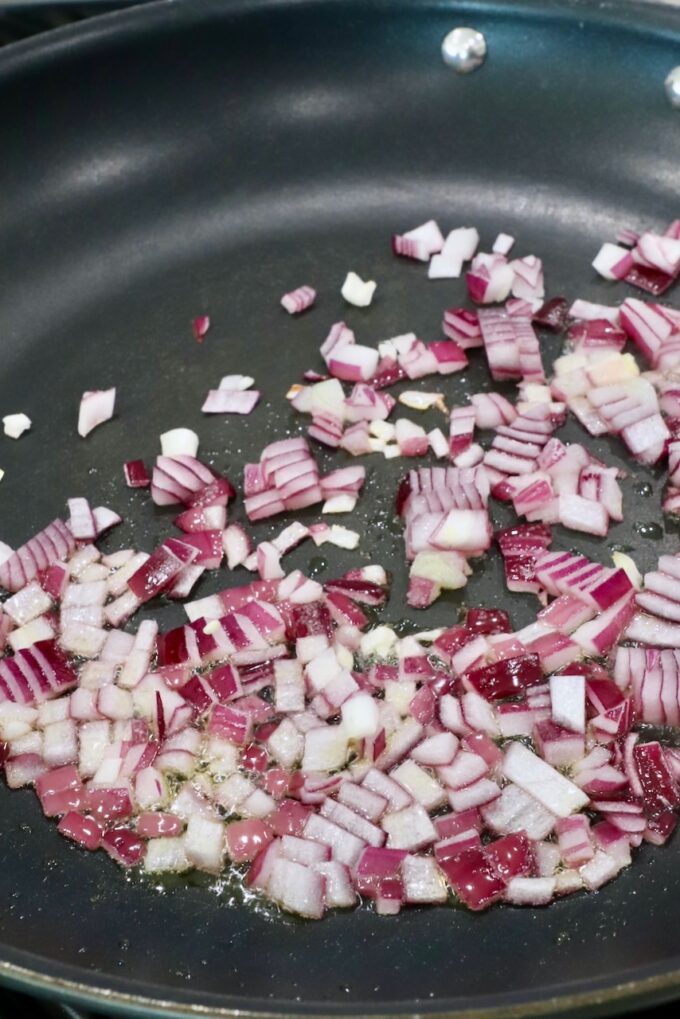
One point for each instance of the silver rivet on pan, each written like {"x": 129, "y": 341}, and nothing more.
{"x": 673, "y": 87}
{"x": 464, "y": 49}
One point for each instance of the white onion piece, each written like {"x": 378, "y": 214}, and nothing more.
{"x": 439, "y": 444}
{"x": 14, "y": 425}
{"x": 29, "y": 634}
{"x": 237, "y": 546}
{"x": 236, "y": 382}
{"x": 588, "y": 311}
{"x": 96, "y": 407}
{"x": 360, "y": 716}
{"x": 356, "y": 291}
{"x": 230, "y": 401}
{"x": 105, "y": 519}
{"x": 568, "y": 702}
{"x": 179, "y": 442}
{"x": 461, "y": 243}
{"x": 503, "y": 244}
{"x": 459, "y": 246}
{"x": 342, "y": 537}
{"x": 343, "y": 502}
{"x": 625, "y": 562}
{"x": 28, "y": 603}
{"x": 555, "y": 792}
{"x": 444, "y": 267}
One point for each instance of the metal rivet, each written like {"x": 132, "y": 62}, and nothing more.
{"x": 464, "y": 49}
{"x": 672, "y": 84}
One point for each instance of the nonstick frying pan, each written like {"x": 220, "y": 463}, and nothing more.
{"x": 205, "y": 157}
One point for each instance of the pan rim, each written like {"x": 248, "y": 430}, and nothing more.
{"x": 651, "y": 19}
{"x": 655, "y": 17}
{"x": 653, "y": 989}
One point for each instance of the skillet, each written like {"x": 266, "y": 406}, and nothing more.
{"x": 204, "y": 157}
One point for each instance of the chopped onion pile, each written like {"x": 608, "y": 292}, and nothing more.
{"x": 287, "y": 478}
{"x": 605, "y": 391}
{"x": 285, "y": 733}
{"x": 446, "y": 518}
{"x": 649, "y": 260}
{"x": 377, "y": 767}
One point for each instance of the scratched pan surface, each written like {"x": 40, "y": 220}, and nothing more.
{"x": 193, "y": 158}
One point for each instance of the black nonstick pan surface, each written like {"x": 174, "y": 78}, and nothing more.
{"x": 204, "y": 157}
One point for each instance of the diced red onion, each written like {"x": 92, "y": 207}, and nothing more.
{"x": 420, "y": 243}
{"x": 298, "y": 300}
{"x": 136, "y": 474}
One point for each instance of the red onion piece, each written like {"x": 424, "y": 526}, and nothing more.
{"x": 658, "y": 251}
{"x": 420, "y": 243}
{"x": 200, "y": 327}
{"x": 298, "y": 300}
{"x": 81, "y": 829}
{"x": 35, "y": 674}
{"x": 462, "y": 326}
{"x": 552, "y": 315}
{"x": 161, "y": 568}
{"x": 490, "y": 278}
{"x": 653, "y": 281}
{"x": 646, "y": 325}
{"x": 500, "y": 343}
{"x": 449, "y": 356}
{"x": 180, "y": 478}
{"x": 123, "y": 846}
{"x": 81, "y": 520}
{"x": 45, "y": 548}
{"x": 596, "y": 334}
{"x": 217, "y": 492}
{"x": 628, "y": 237}
{"x": 353, "y": 362}
{"x": 528, "y": 278}
{"x": 202, "y": 518}
{"x": 504, "y": 679}
{"x": 339, "y": 335}
{"x": 659, "y": 790}
{"x": 365, "y": 404}
{"x": 487, "y": 621}
{"x": 472, "y": 877}
{"x": 136, "y": 474}
{"x": 613, "y": 262}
